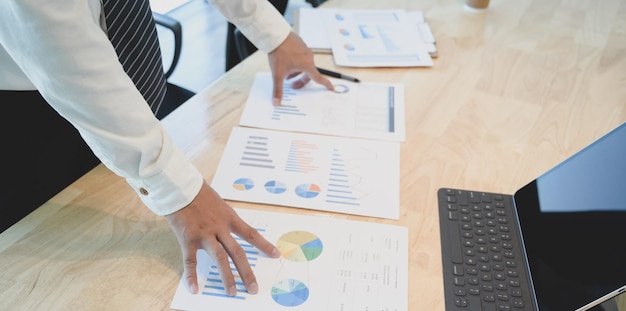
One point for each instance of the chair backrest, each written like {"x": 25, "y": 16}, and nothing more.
{"x": 243, "y": 46}
{"x": 177, "y": 30}
{"x": 315, "y": 3}
{"x": 176, "y": 95}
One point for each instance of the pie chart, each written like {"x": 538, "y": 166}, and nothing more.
{"x": 308, "y": 191}
{"x": 243, "y": 184}
{"x": 290, "y": 293}
{"x": 275, "y": 187}
{"x": 300, "y": 246}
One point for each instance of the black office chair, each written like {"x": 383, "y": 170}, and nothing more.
{"x": 176, "y": 95}
{"x": 232, "y": 54}
{"x": 242, "y": 45}
{"x": 315, "y": 3}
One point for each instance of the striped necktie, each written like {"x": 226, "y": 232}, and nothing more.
{"x": 132, "y": 32}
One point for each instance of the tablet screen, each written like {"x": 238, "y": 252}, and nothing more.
{"x": 573, "y": 222}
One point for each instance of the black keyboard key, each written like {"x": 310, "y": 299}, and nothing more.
{"x": 459, "y": 281}
{"x": 517, "y": 303}
{"x": 474, "y": 197}
{"x": 458, "y": 270}
{"x": 461, "y": 302}
{"x": 462, "y": 198}
{"x": 454, "y": 239}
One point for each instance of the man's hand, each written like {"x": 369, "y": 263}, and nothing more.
{"x": 290, "y": 59}
{"x": 206, "y": 223}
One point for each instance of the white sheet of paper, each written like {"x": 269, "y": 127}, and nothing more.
{"x": 362, "y": 110}
{"x": 317, "y": 38}
{"x": 326, "y": 264}
{"x": 311, "y": 31}
{"x": 336, "y": 174}
{"x": 375, "y": 38}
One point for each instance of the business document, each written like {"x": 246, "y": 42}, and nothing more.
{"x": 327, "y": 173}
{"x": 362, "y": 110}
{"x": 326, "y": 264}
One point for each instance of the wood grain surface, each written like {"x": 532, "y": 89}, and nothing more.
{"x": 515, "y": 90}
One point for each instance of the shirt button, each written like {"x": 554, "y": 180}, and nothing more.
{"x": 143, "y": 191}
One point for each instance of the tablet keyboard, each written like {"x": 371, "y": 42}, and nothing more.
{"x": 481, "y": 252}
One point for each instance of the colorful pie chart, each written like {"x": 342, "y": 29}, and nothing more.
{"x": 290, "y": 293}
{"x": 301, "y": 246}
{"x": 275, "y": 187}
{"x": 243, "y": 184}
{"x": 308, "y": 191}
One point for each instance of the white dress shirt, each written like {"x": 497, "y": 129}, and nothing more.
{"x": 61, "y": 49}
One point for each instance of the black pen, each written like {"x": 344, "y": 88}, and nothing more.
{"x": 336, "y": 75}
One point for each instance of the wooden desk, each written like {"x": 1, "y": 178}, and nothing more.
{"x": 515, "y": 90}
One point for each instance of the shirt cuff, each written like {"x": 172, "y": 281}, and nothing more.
{"x": 177, "y": 184}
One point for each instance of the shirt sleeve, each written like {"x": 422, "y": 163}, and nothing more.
{"x": 62, "y": 49}
{"x": 254, "y": 18}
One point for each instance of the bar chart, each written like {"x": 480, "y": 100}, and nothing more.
{"x": 338, "y": 174}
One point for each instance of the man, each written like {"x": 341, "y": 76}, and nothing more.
{"x": 62, "y": 50}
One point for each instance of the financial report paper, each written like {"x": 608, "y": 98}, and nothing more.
{"x": 326, "y": 264}
{"x": 329, "y": 173}
{"x": 363, "y": 110}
